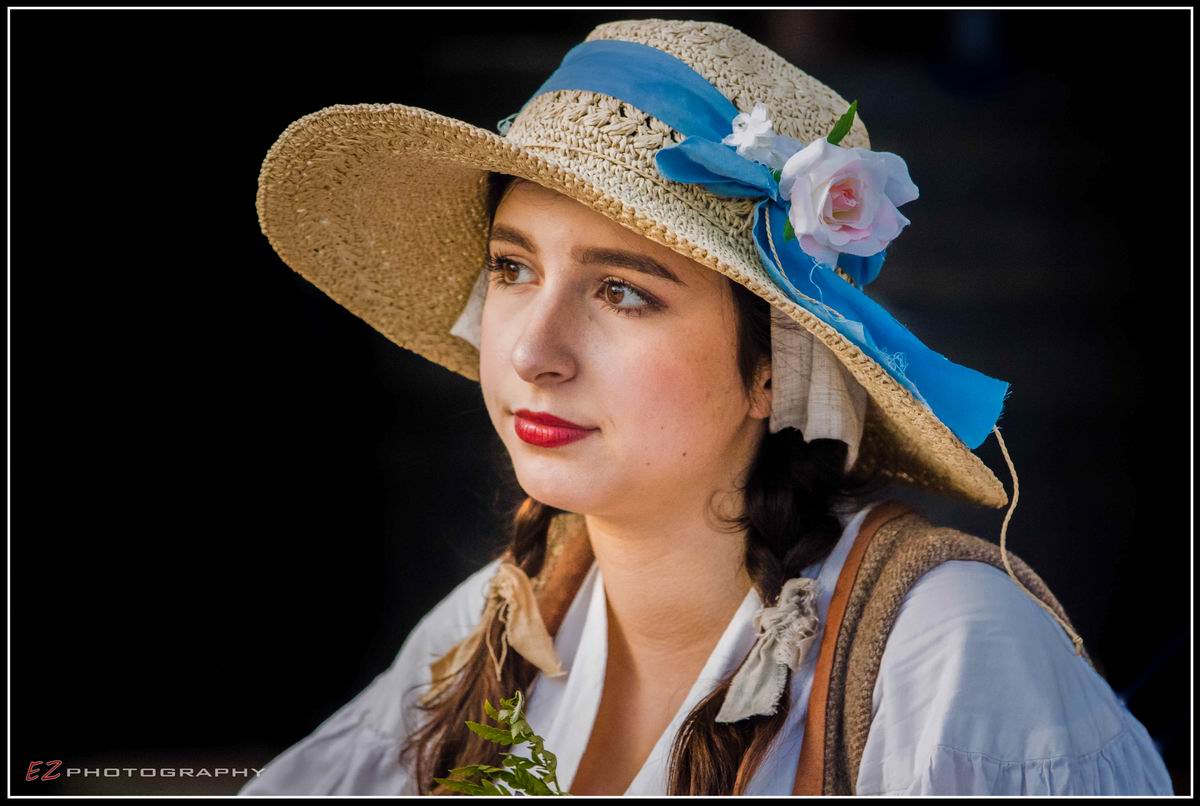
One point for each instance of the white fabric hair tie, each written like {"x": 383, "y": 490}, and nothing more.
{"x": 811, "y": 390}
{"x": 786, "y": 634}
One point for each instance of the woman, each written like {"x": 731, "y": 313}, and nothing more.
{"x": 699, "y": 408}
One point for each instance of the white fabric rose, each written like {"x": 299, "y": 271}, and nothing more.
{"x": 844, "y": 200}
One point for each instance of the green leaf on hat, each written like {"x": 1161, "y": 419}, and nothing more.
{"x": 789, "y": 234}
{"x": 778, "y": 172}
{"x": 842, "y": 127}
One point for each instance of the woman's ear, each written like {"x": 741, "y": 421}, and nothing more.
{"x": 760, "y": 405}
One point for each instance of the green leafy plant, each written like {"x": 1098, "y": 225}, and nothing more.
{"x": 517, "y": 774}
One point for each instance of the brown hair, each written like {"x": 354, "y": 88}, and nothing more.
{"x": 793, "y": 491}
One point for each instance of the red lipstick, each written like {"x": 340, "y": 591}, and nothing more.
{"x": 545, "y": 430}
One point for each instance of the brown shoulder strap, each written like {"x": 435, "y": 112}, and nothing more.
{"x": 568, "y": 559}
{"x": 810, "y": 773}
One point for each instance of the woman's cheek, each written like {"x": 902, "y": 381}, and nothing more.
{"x": 682, "y": 398}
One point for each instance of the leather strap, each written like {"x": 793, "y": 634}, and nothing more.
{"x": 810, "y": 773}
{"x": 569, "y": 557}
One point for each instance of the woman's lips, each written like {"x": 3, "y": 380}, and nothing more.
{"x": 544, "y": 434}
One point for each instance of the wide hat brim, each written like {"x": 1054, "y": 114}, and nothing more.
{"x": 383, "y": 208}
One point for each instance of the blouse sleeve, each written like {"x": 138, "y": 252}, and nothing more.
{"x": 980, "y": 692}
{"x": 356, "y": 750}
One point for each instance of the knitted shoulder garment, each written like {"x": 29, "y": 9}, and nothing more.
{"x": 887, "y": 559}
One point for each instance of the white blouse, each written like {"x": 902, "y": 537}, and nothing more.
{"x": 979, "y": 692}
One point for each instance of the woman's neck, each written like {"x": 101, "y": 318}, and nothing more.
{"x": 671, "y": 586}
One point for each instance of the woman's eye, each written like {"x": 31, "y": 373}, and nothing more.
{"x": 613, "y": 292}
{"x": 624, "y": 291}
{"x": 500, "y": 267}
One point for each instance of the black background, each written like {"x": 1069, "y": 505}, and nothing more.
{"x": 231, "y": 499}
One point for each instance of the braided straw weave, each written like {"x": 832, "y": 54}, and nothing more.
{"x": 383, "y": 207}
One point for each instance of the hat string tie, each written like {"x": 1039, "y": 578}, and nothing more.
{"x": 1075, "y": 639}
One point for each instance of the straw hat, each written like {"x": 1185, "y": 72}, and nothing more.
{"x": 372, "y": 202}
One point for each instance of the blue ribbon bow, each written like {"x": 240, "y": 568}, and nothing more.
{"x": 967, "y": 401}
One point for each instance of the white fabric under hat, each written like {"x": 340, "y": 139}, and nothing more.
{"x": 811, "y": 390}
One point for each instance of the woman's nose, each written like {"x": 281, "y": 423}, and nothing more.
{"x": 546, "y": 349}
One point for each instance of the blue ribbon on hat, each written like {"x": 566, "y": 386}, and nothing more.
{"x": 965, "y": 400}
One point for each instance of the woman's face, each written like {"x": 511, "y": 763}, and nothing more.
{"x": 646, "y": 362}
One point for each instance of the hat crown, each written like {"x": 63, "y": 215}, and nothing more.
{"x": 592, "y": 130}
{"x": 742, "y": 69}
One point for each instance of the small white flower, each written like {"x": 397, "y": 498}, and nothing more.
{"x": 748, "y": 129}
{"x": 755, "y": 138}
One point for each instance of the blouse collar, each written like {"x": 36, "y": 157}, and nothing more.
{"x": 563, "y": 710}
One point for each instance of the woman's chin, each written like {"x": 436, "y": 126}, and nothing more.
{"x": 562, "y": 490}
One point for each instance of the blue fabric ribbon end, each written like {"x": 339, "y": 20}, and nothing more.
{"x": 967, "y": 401}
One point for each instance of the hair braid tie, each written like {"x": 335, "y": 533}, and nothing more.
{"x": 786, "y": 634}
{"x": 511, "y": 601}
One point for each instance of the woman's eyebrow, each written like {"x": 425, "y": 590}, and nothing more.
{"x": 594, "y": 255}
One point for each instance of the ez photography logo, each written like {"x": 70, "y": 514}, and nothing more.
{"x": 53, "y": 770}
